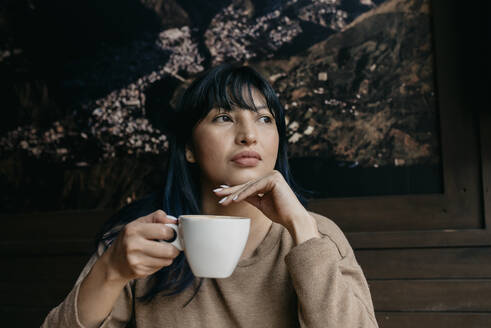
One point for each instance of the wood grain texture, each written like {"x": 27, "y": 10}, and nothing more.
{"x": 426, "y": 263}
{"x": 433, "y": 320}
{"x": 432, "y": 295}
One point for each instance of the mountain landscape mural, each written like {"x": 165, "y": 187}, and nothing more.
{"x": 88, "y": 87}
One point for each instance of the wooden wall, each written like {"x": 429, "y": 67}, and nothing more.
{"x": 42, "y": 256}
{"x": 430, "y": 287}
{"x": 411, "y": 287}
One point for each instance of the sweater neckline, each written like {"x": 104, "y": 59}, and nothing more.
{"x": 268, "y": 243}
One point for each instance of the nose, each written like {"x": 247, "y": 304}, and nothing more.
{"x": 246, "y": 134}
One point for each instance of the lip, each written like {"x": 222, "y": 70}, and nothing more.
{"x": 246, "y": 158}
{"x": 247, "y": 154}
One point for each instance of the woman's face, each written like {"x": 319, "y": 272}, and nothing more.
{"x": 235, "y": 147}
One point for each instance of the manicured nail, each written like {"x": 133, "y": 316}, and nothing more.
{"x": 171, "y": 218}
{"x": 217, "y": 190}
{"x": 235, "y": 197}
{"x": 222, "y": 200}
{"x": 224, "y": 186}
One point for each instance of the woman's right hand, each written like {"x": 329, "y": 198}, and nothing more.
{"x": 139, "y": 251}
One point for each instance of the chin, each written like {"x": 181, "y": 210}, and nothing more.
{"x": 244, "y": 176}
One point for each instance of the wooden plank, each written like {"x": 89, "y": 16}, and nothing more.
{"x": 47, "y": 268}
{"x": 64, "y": 232}
{"x": 485, "y": 129}
{"x": 424, "y": 238}
{"x": 433, "y": 320}
{"x": 459, "y": 132}
{"x": 62, "y": 225}
{"x": 47, "y": 247}
{"x": 426, "y": 263}
{"x": 432, "y": 295}
{"x": 395, "y": 213}
{"x": 34, "y": 293}
{"x": 17, "y": 316}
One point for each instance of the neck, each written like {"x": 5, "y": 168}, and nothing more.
{"x": 260, "y": 223}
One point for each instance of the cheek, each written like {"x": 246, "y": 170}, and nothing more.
{"x": 271, "y": 146}
{"x": 208, "y": 148}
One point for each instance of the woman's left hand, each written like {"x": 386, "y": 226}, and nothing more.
{"x": 272, "y": 195}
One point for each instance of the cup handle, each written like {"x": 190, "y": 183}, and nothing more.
{"x": 177, "y": 242}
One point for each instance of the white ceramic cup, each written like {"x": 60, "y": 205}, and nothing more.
{"x": 213, "y": 244}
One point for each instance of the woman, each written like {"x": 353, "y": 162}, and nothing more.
{"x": 227, "y": 157}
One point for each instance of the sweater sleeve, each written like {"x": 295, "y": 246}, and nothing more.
{"x": 331, "y": 288}
{"x": 66, "y": 313}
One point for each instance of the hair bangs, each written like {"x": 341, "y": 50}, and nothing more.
{"x": 236, "y": 89}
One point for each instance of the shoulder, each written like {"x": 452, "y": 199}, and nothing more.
{"x": 330, "y": 230}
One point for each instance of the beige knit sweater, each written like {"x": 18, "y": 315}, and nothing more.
{"x": 315, "y": 284}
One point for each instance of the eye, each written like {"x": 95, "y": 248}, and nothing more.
{"x": 266, "y": 119}
{"x": 222, "y": 118}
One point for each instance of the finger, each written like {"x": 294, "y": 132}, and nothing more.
{"x": 156, "y": 231}
{"x": 221, "y": 191}
{"x": 158, "y": 216}
{"x": 260, "y": 187}
{"x": 226, "y": 197}
{"x": 256, "y": 190}
{"x": 160, "y": 249}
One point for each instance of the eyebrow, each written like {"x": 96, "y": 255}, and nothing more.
{"x": 257, "y": 108}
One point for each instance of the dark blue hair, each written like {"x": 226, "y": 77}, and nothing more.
{"x": 226, "y": 87}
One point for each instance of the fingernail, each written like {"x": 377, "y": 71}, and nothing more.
{"x": 171, "y": 217}
{"x": 217, "y": 190}
{"x": 235, "y": 197}
{"x": 224, "y": 186}
{"x": 222, "y": 200}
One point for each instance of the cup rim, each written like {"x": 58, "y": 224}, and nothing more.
{"x": 199, "y": 217}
